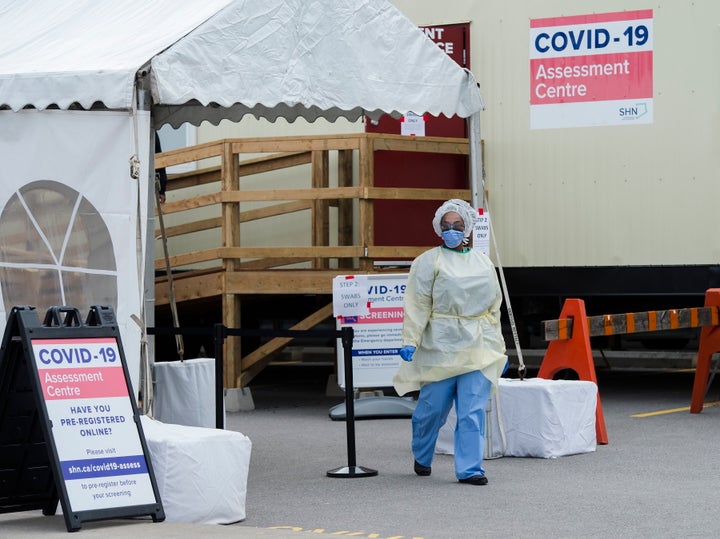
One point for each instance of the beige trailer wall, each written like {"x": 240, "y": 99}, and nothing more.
{"x": 625, "y": 195}
{"x": 614, "y": 195}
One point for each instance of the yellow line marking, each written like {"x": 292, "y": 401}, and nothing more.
{"x": 675, "y": 410}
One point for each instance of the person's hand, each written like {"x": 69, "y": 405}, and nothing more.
{"x": 406, "y": 352}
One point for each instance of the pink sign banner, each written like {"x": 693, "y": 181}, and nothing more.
{"x": 591, "y": 70}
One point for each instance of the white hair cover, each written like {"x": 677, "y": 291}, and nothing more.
{"x": 467, "y": 213}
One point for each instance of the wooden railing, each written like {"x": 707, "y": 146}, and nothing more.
{"x": 212, "y": 201}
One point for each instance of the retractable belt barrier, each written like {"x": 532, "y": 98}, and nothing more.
{"x": 345, "y": 335}
{"x": 570, "y": 341}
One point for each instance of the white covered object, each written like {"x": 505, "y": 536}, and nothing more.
{"x": 539, "y": 418}
{"x": 185, "y": 392}
{"x": 201, "y": 473}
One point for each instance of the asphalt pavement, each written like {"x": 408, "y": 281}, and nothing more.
{"x": 657, "y": 476}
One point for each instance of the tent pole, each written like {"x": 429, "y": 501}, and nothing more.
{"x": 477, "y": 192}
{"x": 477, "y": 181}
{"x": 144, "y": 102}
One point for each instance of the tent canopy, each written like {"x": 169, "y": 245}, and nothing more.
{"x": 221, "y": 59}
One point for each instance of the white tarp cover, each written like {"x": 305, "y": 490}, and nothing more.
{"x": 538, "y": 417}
{"x": 87, "y": 51}
{"x": 222, "y": 59}
{"x": 185, "y": 392}
{"x": 69, "y": 213}
{"x": 201, "y": 473}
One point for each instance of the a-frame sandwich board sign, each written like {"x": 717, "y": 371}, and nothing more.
{"x": 70, "y": 429}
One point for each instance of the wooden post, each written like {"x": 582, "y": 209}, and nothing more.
{"x": 367, "y": 216}
{"x": 230, "y": 238}
{"x": 320, "y": 207}
{"x": 345, "y": 205}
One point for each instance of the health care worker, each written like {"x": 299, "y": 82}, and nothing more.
{"x": 453, "y": 349}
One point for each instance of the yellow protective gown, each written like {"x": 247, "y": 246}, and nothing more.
{"x": 452, "y": 316}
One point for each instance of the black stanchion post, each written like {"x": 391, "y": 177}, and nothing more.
{"x": 351, "y": 470}
{"x": 219, "y": 384}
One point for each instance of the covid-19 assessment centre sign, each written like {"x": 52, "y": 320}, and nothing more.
{"x": 71, "y": 383}
{"x": 86, "y": 396}
{"x": 591, "y": 70}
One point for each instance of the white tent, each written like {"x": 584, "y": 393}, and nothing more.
{"x": 216, "y": 59}
{"x": 152, "y": 62}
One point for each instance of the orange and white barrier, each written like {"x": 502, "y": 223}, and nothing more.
{"x": 570, "y": 341}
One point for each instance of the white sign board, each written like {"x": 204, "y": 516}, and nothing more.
{"x": 88, "y": 404}
{"x": 377, "y": 334}
{"x": 481, "y": 233}
{"x": 591, "y": 70}
{"x": 350, "y": 295}
{"x": 412, "y": 125}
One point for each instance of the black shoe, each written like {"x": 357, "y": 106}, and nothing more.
{"x": 475, "y": 480}
{"x": 422, "y": 470}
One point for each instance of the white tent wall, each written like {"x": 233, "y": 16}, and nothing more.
{"x": 71, "y": 214}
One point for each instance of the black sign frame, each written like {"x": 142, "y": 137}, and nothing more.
{"x": 31, "y": 475}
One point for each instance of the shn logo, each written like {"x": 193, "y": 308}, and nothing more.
{"x": 634, "y": 112}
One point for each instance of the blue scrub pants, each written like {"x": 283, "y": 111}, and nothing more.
{"x": 470, "y": 392}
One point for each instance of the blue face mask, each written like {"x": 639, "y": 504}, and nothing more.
{"x": 452, "y": 238}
